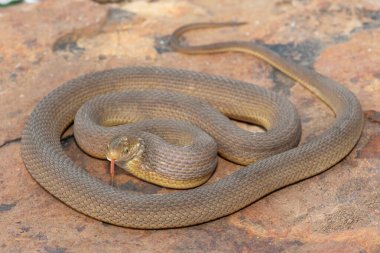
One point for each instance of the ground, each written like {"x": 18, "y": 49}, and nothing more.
{"x": 43, "y": 45}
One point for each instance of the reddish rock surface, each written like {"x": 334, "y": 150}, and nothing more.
{"x": 45, "y": 44}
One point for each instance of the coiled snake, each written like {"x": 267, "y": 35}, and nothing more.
{"x": 56, "y": 172}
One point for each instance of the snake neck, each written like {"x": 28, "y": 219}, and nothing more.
{"x": 140, "y": 167}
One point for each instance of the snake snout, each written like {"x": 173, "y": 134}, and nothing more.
{"x": 123, "y": 149}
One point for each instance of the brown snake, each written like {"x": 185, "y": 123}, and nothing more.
{"x": 56, "y": 172}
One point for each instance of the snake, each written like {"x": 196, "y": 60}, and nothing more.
{"x": 56, "y": 172}
{"x": 162, "y": 148}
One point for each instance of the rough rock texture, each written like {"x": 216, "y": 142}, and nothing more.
{"x": 43, "y": 45}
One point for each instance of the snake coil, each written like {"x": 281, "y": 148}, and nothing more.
{"x": 56, "y": 172}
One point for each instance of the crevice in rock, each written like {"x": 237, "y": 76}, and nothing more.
{"x": 373, "y": 116}
{"x": 66, "y": 140}
{"x": 8, "y": 142}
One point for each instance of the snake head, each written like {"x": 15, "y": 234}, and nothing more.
{"x": 124, "y": 149}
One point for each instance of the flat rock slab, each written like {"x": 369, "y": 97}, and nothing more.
{"x": 43, "y": 45}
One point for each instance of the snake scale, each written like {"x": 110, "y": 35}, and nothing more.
{"x": 48, "y": 164}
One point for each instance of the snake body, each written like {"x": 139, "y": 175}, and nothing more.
{"x": 188, "y": 157}
{"x": 56, "y": 172}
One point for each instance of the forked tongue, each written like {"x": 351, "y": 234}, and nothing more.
{"x": 112, "y": 169}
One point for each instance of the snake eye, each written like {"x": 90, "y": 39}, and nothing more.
{"x": 125, "y": 150}
{"x": 108, "y": 146}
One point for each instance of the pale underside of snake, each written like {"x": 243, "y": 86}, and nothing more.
{"x": 48, "y": 164}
